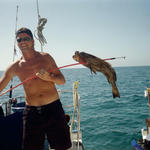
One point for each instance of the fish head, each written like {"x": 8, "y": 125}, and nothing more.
{"x": 77, "y": 57}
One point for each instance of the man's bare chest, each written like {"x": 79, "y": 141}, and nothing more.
{"x": 29, "y": 69}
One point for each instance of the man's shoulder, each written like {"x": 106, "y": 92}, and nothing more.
{"x": 46, "y": 55}
{"x": 11, "y": 69}
{"x": 15, "y": 63}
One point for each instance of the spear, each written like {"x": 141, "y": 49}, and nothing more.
{"x": 33, "y": 77}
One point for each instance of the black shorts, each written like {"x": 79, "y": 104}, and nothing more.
{"x": 45, "y": 121}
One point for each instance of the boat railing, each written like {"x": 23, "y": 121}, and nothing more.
{"x": 76, "y": 135}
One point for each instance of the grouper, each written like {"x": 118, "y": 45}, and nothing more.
{"x": 96, "y": 64}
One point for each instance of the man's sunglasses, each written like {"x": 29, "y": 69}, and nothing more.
{"x": 23, "y": 39}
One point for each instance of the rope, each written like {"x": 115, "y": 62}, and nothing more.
{"x": 40, "y": 27}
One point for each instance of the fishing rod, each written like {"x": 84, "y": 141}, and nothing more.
{"x": 33, "y": 77}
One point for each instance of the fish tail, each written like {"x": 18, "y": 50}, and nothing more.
{"x": 115, "y": 92}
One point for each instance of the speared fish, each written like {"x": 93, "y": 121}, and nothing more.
{"x": 96, "y": 64}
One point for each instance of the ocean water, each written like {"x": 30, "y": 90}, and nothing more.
{"x": 106, "y": 123}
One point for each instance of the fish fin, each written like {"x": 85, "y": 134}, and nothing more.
{"x": 115, "y": 92}
{"x": 92, "y": 70}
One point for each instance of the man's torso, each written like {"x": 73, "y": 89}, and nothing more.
{"x": 38, "y": 92}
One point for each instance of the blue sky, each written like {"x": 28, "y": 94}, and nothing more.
{"x": 104, "y": 28}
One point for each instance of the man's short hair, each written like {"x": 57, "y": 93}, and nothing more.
{"x": 24, "y": 30}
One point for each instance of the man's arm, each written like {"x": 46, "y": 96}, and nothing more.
{"x": 7, "y": 76}
{"x": 53, "y": 74}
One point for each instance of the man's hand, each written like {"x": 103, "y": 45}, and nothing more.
{"x": 44, "y": 75}
{"x": 57, "y": 78}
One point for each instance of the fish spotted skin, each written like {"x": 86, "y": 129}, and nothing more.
{"x": 96, "y": 64}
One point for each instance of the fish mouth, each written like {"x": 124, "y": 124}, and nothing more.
{"x": 76, "y": 56}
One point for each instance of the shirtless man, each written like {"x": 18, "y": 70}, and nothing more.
{"x": 43, "y": 114}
